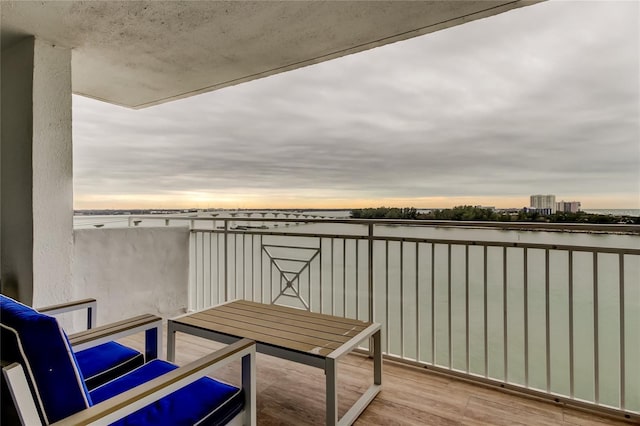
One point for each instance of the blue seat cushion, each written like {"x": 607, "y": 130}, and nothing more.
{"x": 103, "y": 363}
{"x": 205, "y": 400}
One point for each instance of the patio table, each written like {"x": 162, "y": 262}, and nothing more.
{"x": 313, "y": 339}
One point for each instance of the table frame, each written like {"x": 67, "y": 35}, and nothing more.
{"x": 329, "y": 363}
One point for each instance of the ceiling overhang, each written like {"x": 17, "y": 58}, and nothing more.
{"x": 143, "y": 53}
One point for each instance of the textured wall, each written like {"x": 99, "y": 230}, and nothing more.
{"x": 37, "y": 187}
{"x": 131, "y": 271}
{"x": 17, "y": 69}
{"x": 52, "y": 156}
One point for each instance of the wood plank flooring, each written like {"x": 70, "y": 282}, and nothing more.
{"x": 293, "y": 394}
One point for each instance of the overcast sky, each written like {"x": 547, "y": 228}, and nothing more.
{"x": 543, "y": 99}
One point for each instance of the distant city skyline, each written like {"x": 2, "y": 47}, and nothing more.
{"x": 540, "y": 100}
{"x": 126, "y": 203}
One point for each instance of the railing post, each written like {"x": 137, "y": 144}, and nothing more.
{"x": 370, "y": 288}
{"x": 226, "y": 269}
{"x": 193, "y": 278}
{"x": 622, "y": 335}
{"x": 370, "y": 268}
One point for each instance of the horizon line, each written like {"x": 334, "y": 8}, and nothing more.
{"x": 323, "y": 209}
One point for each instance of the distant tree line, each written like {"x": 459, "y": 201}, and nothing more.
{"x": 582, "y": 217}
{"x": 466, "y": 213}
{"x": 385, "y": 213}
{"x": 483, "y": 214}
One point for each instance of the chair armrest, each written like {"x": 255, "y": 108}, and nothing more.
{"x": 128, "y": 402}
{"x": 89, "y": 304}
{"x": 150, "y": 324}
{"x": 18, "y": 387}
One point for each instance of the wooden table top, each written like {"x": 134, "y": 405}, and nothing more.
{"x": 280, "y": 326}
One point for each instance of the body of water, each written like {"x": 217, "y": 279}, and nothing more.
{"x": 121, "y": 221}
{"x": 424, "y": 292}
{"x": 431, "y": 296}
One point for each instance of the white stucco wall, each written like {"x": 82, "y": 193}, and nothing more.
{"x": 17, "y": 271}
{"x": 131, "y": 271}
{"x": 37, "y": 177}
{"x": 52, "y": 160}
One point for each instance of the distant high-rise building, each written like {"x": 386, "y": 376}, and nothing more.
{"x": 568, "y": 206}
{"x": 543, "y": 202}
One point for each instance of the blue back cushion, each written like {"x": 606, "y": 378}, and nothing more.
{"x": 41, "y": 346}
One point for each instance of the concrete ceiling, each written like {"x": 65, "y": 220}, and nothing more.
{"x": 142, "y": 53}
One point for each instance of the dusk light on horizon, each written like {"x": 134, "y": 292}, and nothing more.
{"x": 543, "y": 99}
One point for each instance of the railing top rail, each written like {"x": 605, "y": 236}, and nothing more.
{"x": 526, "y": 226}
{"x": 428, "y": 240}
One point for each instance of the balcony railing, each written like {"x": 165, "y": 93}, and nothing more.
{"x": 550, "y": 310}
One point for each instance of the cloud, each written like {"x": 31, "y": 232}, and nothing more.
{"x": 540, "y": 99}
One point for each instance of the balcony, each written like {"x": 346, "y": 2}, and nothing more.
{"x": 523, "y": 308}
{"x": 556, "y": 318}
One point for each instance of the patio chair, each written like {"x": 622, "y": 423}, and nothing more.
{"x": 47, "y": 386}
{"x": 103, "y": 361}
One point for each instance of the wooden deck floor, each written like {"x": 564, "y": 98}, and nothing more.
{"x": 293, "y": 394}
